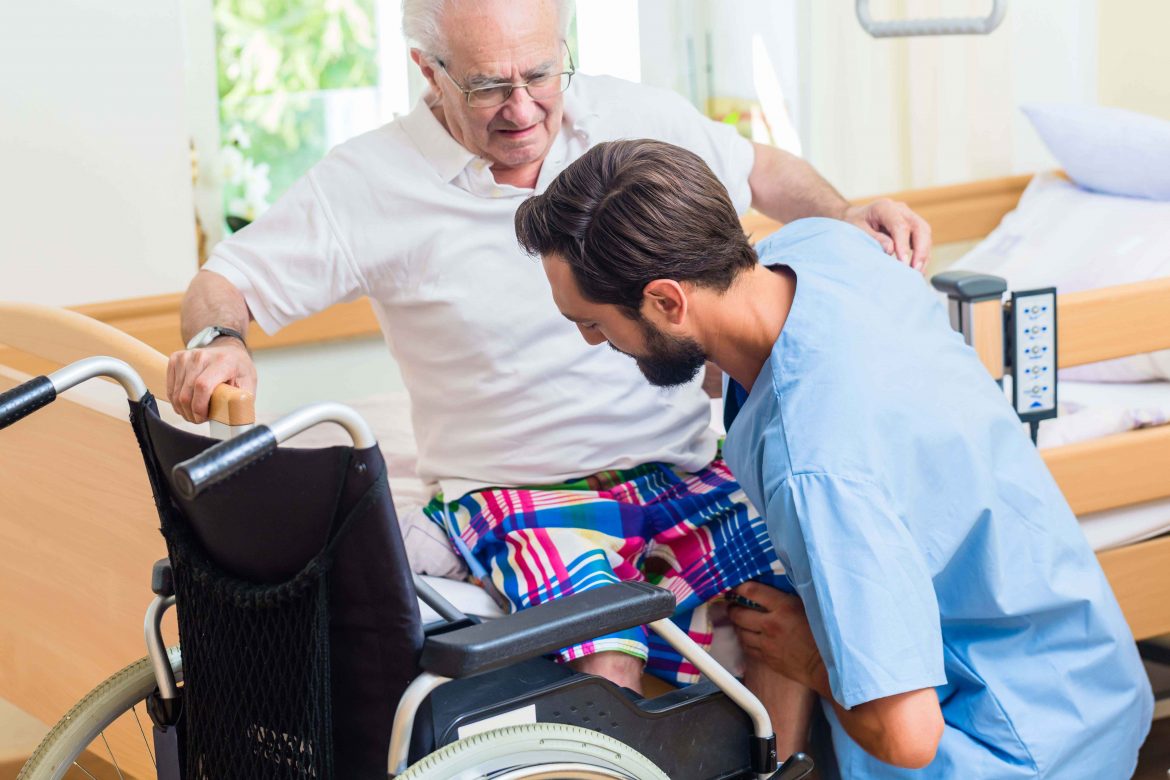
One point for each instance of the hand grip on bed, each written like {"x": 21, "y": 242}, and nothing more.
{"x": 977, "y": 25}
{"x": 24, "y": 399}
{"x": 969, "y": 286}
{"x": 220, "y": 461}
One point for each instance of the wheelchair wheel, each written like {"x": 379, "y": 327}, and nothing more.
{"x": 535, "y": 751}
{"x": 107, "y": 732}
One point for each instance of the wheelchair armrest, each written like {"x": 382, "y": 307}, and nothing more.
{"x": 968, "y": 286}
{"x": 545, "y": 628}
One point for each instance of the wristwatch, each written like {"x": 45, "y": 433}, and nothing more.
{"x": 211, "y": 333}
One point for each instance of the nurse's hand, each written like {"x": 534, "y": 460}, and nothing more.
{"x": 779, "y": 637}
{"x": 900, "y": 231}
{"x": 903, "y": 730}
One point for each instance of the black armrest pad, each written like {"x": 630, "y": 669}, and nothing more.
{"x": 968, "y": 285}
{"x": 544, "y": 629}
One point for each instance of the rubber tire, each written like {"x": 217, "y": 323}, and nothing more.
{"x": 573, "y": 742}
{"x": 100, "y": 707}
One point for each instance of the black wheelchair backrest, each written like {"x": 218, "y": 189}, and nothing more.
{"x": 298, "y": 618}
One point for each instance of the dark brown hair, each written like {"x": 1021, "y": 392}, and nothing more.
{"x": 629, "y": 212}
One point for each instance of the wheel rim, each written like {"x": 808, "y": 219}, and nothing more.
{"x": 562, "y": 772}
{"x": 106, "y": 735}
{"x": 566, "y": 771}
{"x": 536, "y": 751}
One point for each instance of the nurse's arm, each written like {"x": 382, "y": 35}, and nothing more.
{"x": 903, "y": 729}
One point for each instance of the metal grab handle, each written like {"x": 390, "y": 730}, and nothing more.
{"x": 23, "y": 400}
{"x": 220, "y": 461}
{"x": 970, "y": 25}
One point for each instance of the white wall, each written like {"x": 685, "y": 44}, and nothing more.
{"x": 96, "y": 201}
{"x": 1134, "y": 52}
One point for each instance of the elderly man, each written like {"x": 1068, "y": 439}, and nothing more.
{"x": 417, "y": 215}
{"x": 949, "y": 612}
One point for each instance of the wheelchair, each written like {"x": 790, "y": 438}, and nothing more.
{"x": 303, "y": 653}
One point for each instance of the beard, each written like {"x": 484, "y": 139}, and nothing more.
{"x": 669, "y": 361}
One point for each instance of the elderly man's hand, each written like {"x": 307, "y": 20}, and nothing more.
{"x": 779, "y": 638}
{"x": 193, "y": 374}
{"x": 899, "y": 230}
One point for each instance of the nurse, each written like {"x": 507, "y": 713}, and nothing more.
{"x": 947, "y": 610}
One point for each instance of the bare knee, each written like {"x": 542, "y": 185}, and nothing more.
{"x": 619, "y": 668}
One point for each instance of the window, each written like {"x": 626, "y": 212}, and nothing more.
{"x": 294, "y": 79}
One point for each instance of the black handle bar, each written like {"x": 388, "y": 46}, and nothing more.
{"x": 24, "y": 399}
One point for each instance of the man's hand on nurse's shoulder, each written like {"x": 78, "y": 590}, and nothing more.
{"x": 900, "y": 231}
{"x": 192, "y": 375}
{"x": 778, "y": 635}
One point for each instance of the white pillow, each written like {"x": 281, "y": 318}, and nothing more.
{"x": 1062, "y": 236}
{"x": 1107, "y": 150}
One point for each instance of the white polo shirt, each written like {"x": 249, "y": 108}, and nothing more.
{"x": 504, "y": 391}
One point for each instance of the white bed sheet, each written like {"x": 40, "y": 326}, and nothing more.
{"x": 1090, "y": 410}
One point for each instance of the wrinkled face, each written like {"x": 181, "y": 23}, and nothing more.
{"x": 493, "y": 42}
{"x": 664, "y": 359}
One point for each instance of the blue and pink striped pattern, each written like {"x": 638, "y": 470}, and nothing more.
{"x": 694, "y": 534}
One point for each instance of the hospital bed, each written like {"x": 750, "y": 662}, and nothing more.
{"x": 71, "y": 577}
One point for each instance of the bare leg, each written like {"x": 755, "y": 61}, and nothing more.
{"x": 620, "y": 668}
{"x": 789, "y": 704}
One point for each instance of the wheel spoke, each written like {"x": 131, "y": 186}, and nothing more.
{"x": 83, "y": 769}
{"x": 113, "y": 758}
{"x": 145, "y": 741}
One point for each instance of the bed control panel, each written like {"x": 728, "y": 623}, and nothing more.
{"x": 1033, "y": 353}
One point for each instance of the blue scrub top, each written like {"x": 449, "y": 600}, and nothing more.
{"x": 922, "y": 531}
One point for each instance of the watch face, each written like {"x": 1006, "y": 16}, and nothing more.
{"x": 203, "y": 337}
{"x": 209, "y": 334}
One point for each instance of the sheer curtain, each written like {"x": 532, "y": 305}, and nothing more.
{"x": 886, "y": 115}
{"x": 874, "y": 115}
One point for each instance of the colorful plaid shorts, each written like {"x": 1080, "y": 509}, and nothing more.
{"x": 694, "y": 534}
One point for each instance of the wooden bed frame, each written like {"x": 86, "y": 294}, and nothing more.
{"x": 78, "y": 526}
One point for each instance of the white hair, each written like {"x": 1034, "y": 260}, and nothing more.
{"x": 420, "y": 23}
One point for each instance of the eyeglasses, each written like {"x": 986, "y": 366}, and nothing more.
{"x": 539, "y": 88}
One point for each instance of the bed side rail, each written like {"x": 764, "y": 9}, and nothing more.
{"x": 1113, "y": 322}
{"x": 1102, "y": 324}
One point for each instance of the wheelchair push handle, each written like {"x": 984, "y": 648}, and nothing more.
{"x": 24, "y": 399}
{"x": 217, "y": 463}
{"x": 222, "y": 460}
{"x": 37, "y": 393}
